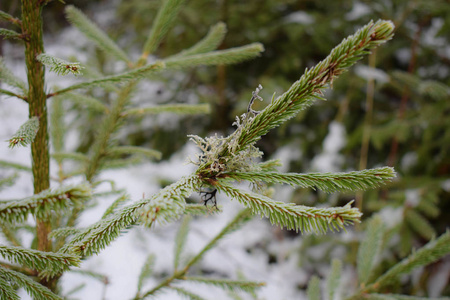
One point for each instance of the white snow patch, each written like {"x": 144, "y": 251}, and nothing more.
{"x": 412, "y": 197}
{"x": 446, "y": 185}
{"x": 287, "y": 154}
{"x": 330, "y": 160}
{"x": 358, "y": 10}
{"x": 409, "y": 160}
{"x": 391, "y": 216}
{"x": 299, "y": 17}
{"x": 368, "y": 73}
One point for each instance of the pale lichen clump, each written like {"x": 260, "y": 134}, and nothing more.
{"x": 213, "y": 147}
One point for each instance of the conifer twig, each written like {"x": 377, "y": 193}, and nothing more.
{"x": 34, "y": 289}
{"x": 26, "y": 133}
{"x": 162, "y": 23}
{"x": 60, "y": 66}
{"x": 38, "y": 260}
{"x": 42, "y": 204}
{"x": 94, "y": 33}
{"x": 310, "y": 86}
{"x": 123, "y": 77}
{"x": 297, "y": 217}
{"x": 327, "y": 182}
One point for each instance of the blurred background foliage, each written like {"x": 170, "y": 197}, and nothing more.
{"x": 393, "y": 107}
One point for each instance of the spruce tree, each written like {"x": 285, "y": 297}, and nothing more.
{"x": 61, "y": 244}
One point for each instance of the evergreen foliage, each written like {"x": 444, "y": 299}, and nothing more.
{"x": 61, "y": 244}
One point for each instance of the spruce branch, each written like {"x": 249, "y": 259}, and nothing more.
{"x": 7, "y": 77}
{"x": 59, "y": 66}
{"x": 229, "y": 285}
{"x": 10, "y": 34}
{"x": 63, "y": 232}
{"x": 209, "y": 43}
{"x": 7, "y": 291}
{"x": 94, "y": 33}
{"x": 183, "y": 109}
{"x": 26, "y": 133}
{"x": 41, "y": 205}
{"x": 297, "y": 217}
{"x": 16, "y": 166}
{"x": 163, "y": 21}
{"x": 310, "y": 86}
{"x": 427, "y": 254}
{"x": 313, "y": 290}
{"x": 53, "y": 263}
{"x": 168, "y": 204}
{"x": 218, "y": 57}
{"x": 8, "y": 18}
{"x": 116, "y": 204}
{"x": 8, "y": 180}
{"x": 237, "y": 222}
{"x": 34, "y": 289}
{"x": 120, "y": 78}
{"x": 12, "y": 94}
{"x": 241, "y": 218}
{"x": 327, "y": 182}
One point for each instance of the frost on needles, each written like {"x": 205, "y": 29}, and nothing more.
{"x": 226, "y": 159}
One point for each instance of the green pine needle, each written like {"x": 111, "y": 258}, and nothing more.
{"x": 59, "y": 66}
{"x": 26, "y": 133}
